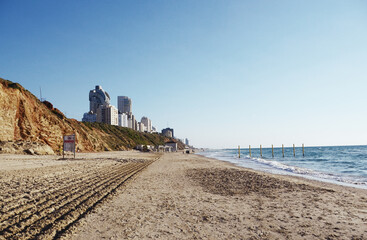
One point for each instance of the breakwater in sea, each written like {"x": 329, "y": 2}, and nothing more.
{"x": 346, "y": 165}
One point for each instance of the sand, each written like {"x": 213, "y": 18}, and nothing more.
{"x": 186, "y": 196}
{"x": 192, "y": 197}
{"x": 44, "y": 197}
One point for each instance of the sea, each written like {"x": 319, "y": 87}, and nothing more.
{"x": 344, "y": 165}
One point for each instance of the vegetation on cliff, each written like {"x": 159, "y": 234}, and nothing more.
{"x": 23, "y": 117}
{"x": 127, "y": 137}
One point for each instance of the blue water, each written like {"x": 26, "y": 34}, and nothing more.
{"x": 345, "y": 165}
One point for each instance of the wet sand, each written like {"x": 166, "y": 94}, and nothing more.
{"x": 178, "y": 196}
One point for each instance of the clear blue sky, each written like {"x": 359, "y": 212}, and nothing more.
{"x": 221, "y": 73}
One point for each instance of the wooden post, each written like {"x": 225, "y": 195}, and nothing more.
{"x": 272, "y": 150}
{"x": 294, "y": 151}
{"x": 239, "y": 151}
{"x": 303, "y": 149}
{"x": 283, "y": 149}
{"x": 249, "y": 148}
{"x": 261, "y": 151}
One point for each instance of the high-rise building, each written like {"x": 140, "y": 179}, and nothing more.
{"x": 141, "y": 127}
{"x": 124, "y": 104}
{"x": 187, "y": 141}
{"x": 107, "y": 114}
{"x": 123, "y": 120}
{"x": 97, "y": 97}
{"x": 129, "y": 123}
{"x": 135, "y": 124}
{"x": 147, "y": 123}
{"x": 132, "y": 123}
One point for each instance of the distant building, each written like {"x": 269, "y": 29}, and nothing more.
{"x": 123, "y": 120}
{"x": 107, "y": 114}
{"x": 164, "y": 148}
{"x": 187, "y": 142}
{"x": 147, "y": 123}
{"x": 168, "y": 132}
{"x": 135, "y": 125}
{"x": 89, "y": 117}
{"x": 124, "y": 104}
{"x": 131, "y": 121}
{"x": 141, "y": 127}
{"x": 154, "y": 130}
{"x": 172, "y": 144}
{"x": 98, "y": 97}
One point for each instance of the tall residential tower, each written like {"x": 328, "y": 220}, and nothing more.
{"x": 97, "y": 98}
{"x": 124, "y": 104}
{"x": 147, "y": 123}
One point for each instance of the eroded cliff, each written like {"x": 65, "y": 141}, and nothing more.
{"x": 25, "y": 118}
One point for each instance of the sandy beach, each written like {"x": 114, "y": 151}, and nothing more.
{"x": 175, "y": 196}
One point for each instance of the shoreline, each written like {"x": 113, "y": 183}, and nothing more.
{"x": 295, "y": 175}
{"x": 318, "y": 182}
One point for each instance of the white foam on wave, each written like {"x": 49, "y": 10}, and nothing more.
{"x": 276, "y": 167}
{"x": 283, "y": 166}
{"x": 310, "y": 173}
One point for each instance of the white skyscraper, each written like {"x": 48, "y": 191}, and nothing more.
{"x": 123, "y": 120}
{"x": 107, "y": 114}
{"x": 129, "y": 123}
{"x": 147, "y": 123}
{"x": 141, "y": 127}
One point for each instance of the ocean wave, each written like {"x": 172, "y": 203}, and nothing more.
{"x": 335, "y": 171}
{"x": 283, "y": 166}
{"x": 313, "y": 173}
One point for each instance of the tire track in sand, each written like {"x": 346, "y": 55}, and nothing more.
{"x": 57, "y": 212}
{"x": 18, "y": 208}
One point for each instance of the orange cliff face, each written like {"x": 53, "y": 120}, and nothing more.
{"x": 8, "y": 111}
{"x": 24, "y": 118}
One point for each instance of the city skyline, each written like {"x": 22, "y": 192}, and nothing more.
{"x": 101, "y": 110}
{"x": 235, "y": 73}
